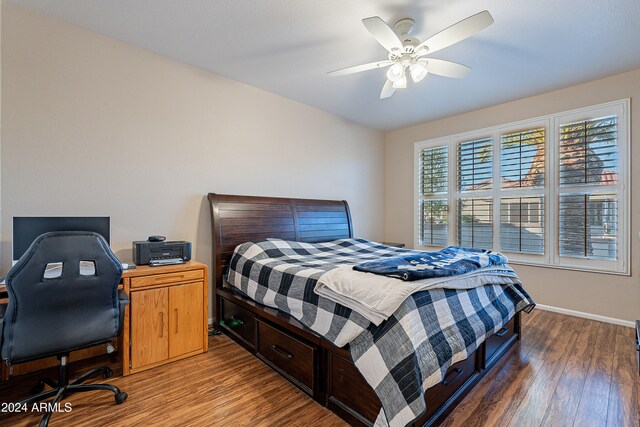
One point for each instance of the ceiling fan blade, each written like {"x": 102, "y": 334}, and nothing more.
{"x": 359, "y": 68}
{"x": 446, "y": 68}
{"x": 382, "y": 33}
{"x": 387, "y": 89}
{"x": 456, "y": 32}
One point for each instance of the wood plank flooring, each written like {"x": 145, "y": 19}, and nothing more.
{"x": 566, "y": 371}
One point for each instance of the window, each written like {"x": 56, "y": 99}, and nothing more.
{"x": 433, "y": 227}
{"x": 588, "y": 168}
{"x": 475, "y": 165}
{"x": 550, "y": 191}
{"x": 475, "y": 222}
{"x": 522, "y": 225}
{"x": 433, "y": 165}
{"x": 522, "y": 175}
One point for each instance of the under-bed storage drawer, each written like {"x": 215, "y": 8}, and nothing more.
{"x": 499, "y": 340}
{"x": 239, "y": 322}
{"x": 288, "y": 355}
{"x": 453, "y": 384}
{"x": 349, "y": 393}
{"x": 352, "y": 398}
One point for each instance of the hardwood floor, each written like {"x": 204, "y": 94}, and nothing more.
{"x": 226, "y": 386}
{"x": 566, "y": 371}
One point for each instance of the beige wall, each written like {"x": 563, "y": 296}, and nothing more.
{"x": 601, "y": 294}
{"x": 92, "y": 126}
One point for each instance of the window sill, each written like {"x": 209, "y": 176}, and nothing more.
{"x": 570, "y": 268}
{"x": 581, "y": 268}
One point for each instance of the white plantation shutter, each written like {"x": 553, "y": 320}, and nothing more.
{"x": 588, "y": 226}
{"x": 475, "y": 223}
{"x": 522, "y": 225}
{"x": 433, "y": 222}
{"x": 522, "y": 159}
{"x": 550, "y": 191}
{"x": 433, "y": 182}
{"x": 522, "y": 170}
{"x": 475, "y": 165}
{"x": 588, "y": 166}
{"x": 589, "y": 152}
{"x": 433, "y": 170}
{"x": 475, "y": 178}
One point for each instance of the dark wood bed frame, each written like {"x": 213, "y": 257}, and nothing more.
{"x": 322, "y": 370}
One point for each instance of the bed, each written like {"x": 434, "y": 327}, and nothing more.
{"x": 310, "y": 359}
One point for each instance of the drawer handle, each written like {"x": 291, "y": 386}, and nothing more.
{"x": 282, "y": 352}
{"x": 502, "y": 332}
{"x": 458, "y": 372}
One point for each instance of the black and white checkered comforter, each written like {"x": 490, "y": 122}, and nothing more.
{"x": 404, "y": 355}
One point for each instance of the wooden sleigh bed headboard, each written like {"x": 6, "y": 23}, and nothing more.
{"x": 238, "y": 219}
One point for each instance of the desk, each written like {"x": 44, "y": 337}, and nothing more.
{"x": 4, "y": 296}
{"x": 167, "y": 319}
{"x": 138, "y": 271}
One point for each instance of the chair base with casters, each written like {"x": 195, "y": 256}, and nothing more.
{"x": 62, "y": 388}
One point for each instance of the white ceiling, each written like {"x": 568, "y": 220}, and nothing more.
{"x": 287, "y": 46}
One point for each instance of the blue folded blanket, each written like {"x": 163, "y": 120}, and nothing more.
{"x": 450, "y": 261}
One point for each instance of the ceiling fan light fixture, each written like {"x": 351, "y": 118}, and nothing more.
{"x": 396, "y": 72}
{"x": 406, "y": 52}
{"x": 401, "y": 83}
{"x": 418, "y": 71}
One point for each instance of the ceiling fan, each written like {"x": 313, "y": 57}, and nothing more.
{"x": 406, "y": 53}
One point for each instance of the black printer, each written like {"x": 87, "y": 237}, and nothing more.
{"x": 156, "y": 251}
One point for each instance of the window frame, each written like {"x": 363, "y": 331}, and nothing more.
{"x": 550, "y": 191}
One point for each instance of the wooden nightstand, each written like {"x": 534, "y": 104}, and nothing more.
{"x": 167, "y": 319}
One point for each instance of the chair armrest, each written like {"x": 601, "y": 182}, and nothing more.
{"x": 123, "y": 301}
{"x": 3, "y": 310}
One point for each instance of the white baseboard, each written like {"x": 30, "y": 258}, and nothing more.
{"x": 597, "y": 317}
{"x": 210, "y": 321}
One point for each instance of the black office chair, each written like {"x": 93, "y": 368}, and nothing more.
{"x": 63, "y": 296}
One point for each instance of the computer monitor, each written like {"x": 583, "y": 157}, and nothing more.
{"x": 27, "y": 228}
